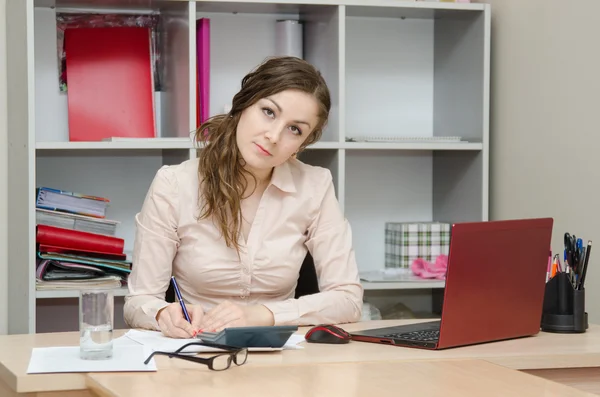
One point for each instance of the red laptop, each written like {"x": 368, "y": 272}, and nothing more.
{"x": 494, "y": 287}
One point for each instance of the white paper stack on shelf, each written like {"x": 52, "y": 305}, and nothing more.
{"x": 76, "y": 222}
{"x": 391, "y": 275}
{"x": 406, "y": 139}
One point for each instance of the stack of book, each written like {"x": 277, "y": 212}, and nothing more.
{"x": 76, "y": 247}
{"x": 74, "y": 211}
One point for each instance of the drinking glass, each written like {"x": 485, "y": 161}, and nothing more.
{"x": 96, "y": 319}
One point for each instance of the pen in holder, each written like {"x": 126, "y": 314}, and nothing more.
{"x": 564, "y": 306}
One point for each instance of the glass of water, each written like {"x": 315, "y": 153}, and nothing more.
{"x": 96, "y": 319}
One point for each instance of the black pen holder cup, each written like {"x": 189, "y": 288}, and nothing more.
{"x": 564, "y": 307}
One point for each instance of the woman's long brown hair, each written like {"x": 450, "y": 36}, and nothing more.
{"x": 223, "y": 179}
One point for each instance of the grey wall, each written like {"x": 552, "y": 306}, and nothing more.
{"x": 3, "y": 171}
{"x": 544, "y": 120}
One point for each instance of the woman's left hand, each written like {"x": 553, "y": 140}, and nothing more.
{"x": 228, "y": 314}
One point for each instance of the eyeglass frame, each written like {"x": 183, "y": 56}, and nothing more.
{"x": 231, "y": 351}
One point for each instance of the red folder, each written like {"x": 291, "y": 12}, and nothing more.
{"x": 110, "y": 83}
{"x": 78, "y": 240}
{"x": 50, "y": 249}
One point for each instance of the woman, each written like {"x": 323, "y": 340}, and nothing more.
{"x": 234, "y": 225}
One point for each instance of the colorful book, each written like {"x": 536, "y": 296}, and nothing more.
{"x": 71, "y": 202}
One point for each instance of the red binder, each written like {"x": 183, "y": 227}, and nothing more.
{"x": 77, "y": 240}
{"x": 51, "y": 249}
{"x": 110, "y": 83}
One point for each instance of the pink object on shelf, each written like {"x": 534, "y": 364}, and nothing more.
{"x": 422, "y": 268}
{"x": 203, "y": 67}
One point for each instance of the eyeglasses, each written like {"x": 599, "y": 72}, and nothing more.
{"x": 219, "y": 362}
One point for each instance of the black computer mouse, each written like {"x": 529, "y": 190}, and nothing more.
{"x": 327, "y": 334}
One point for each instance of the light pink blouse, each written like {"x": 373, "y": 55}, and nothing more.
{"x": 298, "y": 210}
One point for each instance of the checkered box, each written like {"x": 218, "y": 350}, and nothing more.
{"x": 405, "y": 242}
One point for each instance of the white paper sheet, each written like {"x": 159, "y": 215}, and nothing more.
{"x": 126, "y": 357}
{"x": 155, "y": 340}
{"x": 293, "y": 342}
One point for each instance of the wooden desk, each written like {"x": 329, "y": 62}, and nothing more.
{"x": 457, "y": 378}
{"x": 577, "y": 358}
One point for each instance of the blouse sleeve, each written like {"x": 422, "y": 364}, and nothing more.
{"x": 155, "y": 246}
{"x": 330, "y": 244}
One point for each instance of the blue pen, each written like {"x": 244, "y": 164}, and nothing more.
{"x": 180, "y": 299}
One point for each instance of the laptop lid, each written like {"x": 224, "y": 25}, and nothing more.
{"x": 495, "y": 281}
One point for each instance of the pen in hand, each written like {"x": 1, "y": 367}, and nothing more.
{"x": 180, "y": 299}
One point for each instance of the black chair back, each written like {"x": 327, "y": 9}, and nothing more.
{"x": 308, "y": 283}
{"x": 170, "y": 294}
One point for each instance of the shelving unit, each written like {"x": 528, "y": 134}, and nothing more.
{"x": 394, "y": 68}
{"x": 71, "y": 293}
{"x": 402, "y": 285}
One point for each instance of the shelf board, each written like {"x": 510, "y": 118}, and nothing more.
{"x": 372, "y": 286}
{"x": 411, "y": 10}
{"x": 184, "y": 143}
{"x": 142, "y": 144}
{"x": 414, "y": 8}
{"x": 49, "y": 294}
{"x": 376, "y": 286}
{"x": 411, "y": 146}
{"x": 376, "y": 3}
{"x": 105, "y": 5}
{"x": 390, "y": 279}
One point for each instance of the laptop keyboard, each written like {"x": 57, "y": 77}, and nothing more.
{"x": 425, "y": 335}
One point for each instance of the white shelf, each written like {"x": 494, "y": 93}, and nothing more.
{"x": 396, "y": 279}
{"x": 145, "y": 144}
{"x": 376, "y": 286}
{"x": 46, "y": 294}
{"x": 184, "y": 143}
{"x": 411, "y": 146}
{"x": 142, "y": 144}
{"x": 273, "y": 6}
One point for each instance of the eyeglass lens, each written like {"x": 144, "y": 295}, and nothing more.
{"x": 241, "y": 357}
{"x": 221, "y": 362}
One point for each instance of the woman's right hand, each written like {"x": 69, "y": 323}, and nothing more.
{"x": 173, "y": 324}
